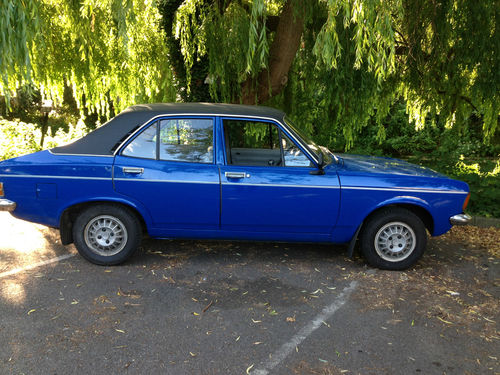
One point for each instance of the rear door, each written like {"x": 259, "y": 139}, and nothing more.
{"x": 267, "y": 185}
{"x": 169, "y": 168}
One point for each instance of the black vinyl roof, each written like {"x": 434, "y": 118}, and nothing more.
{"x": 105, "y": 139}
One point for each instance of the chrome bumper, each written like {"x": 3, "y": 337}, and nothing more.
{"x": 460, "y": 219}
{"x": 7, "y": 205}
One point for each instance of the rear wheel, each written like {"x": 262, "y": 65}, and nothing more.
{"x": 393, "y": 239}
{"x": 106, "y": 234}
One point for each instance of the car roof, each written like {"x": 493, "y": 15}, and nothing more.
{"x": 105, "y": 139}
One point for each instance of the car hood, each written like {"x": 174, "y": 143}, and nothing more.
{"x": 383, "y": 165}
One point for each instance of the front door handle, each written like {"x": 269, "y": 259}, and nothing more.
{"x": 133, "y": 170}
{"x": 236, "y": 175}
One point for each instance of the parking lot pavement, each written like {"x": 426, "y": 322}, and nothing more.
{"x": 206, "y": 307}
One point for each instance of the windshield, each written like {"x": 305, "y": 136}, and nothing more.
{"x": 311, "y": 146}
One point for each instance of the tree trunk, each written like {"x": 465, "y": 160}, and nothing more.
{"x": 272, "y": 80}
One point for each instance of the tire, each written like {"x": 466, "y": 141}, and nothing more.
{"x": 393, "y": 239}
{"x": 107, "y": 234}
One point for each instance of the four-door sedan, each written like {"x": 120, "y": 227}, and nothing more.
{"x": 223, "y": 171}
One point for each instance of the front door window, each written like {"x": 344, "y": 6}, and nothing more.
{"x": 254, "y": 143}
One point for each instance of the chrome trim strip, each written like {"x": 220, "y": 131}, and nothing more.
{"x": 172, "y": 181}
{"x": 61, "y": 177}
{"x": 406, "y": 189}
{"x": 64, "y": 154}
{"x": 283, "y": 185}
{"x": 7, "y": 205}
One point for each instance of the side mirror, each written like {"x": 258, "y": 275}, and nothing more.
{"x": 321, "y": 164}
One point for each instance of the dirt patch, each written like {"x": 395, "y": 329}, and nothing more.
{"x": 455, "y": 285}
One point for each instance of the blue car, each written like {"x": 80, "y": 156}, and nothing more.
{"x": 222, "y": 171}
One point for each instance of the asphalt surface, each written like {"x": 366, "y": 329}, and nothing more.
{"x": 206, "y": 307}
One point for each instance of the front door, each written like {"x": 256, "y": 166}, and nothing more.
{"x": 267, "y": 186}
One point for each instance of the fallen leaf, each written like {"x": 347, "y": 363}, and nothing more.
{"x": 119, "y": 330}
{"x": 444, "y": 321}
{"x": 290, "y": 319}
{"x": 207, "y": 307}
{"x": 131, "y": 293}
{"x": 256, "y": 321}
{"x": 31, "y": 311}
{"x": 249, "y": 368}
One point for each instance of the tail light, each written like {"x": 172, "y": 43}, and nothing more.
{"x": 1, "y": 189}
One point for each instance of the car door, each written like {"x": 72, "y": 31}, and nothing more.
{"x": 267, "y": 185}
{"x": 169, "y": 168}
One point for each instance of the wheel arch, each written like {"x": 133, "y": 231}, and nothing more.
{"x": 70, "y": 214}
{"x": 417, "y": 209}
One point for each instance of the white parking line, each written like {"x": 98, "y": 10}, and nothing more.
{"x": 35, "y": 265}
{"x": 283, "y": 352}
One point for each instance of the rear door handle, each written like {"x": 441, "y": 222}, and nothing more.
{"x": 133, "y": 170}
{"x": 236, "y": 175}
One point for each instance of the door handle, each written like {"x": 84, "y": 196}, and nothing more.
{"x": 236, "y": 175}
{"x": 132, "y": 170}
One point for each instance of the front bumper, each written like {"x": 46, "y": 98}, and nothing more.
{"x": 460, "y": 219}
{"x": 7, "y": 205}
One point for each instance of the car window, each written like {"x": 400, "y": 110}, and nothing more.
{"x": 251, "y": 134}
{"x": 188, "y": 140}
{"x": 293, "y": 156}
{"x": 144, "y": 145}
{"x": 260, "y": 144}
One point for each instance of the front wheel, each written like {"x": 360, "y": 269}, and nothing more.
{"x": 393, "y": 239}
{"x": 106, "y": 234}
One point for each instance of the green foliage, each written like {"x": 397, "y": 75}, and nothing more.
{"x": 19, "y": 32}
{"x": 449, "y": 61}
{"x": 188, "y": 75}
{"x": 20, "y": 138}
{"x": 109, "y": 51}
{"x": 483, "y": 177}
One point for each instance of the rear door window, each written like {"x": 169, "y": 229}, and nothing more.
{"x": 177, "y": 139}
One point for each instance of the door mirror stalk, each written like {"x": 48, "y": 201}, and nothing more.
{"x": 321, "y": 163}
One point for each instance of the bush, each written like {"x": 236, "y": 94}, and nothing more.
{"x": 19, "y": 138}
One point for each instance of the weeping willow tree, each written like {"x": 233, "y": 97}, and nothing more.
{"x": 110, "y": 52}
{"x": 335, "y": 63}
{"x": 342, "y": 62}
